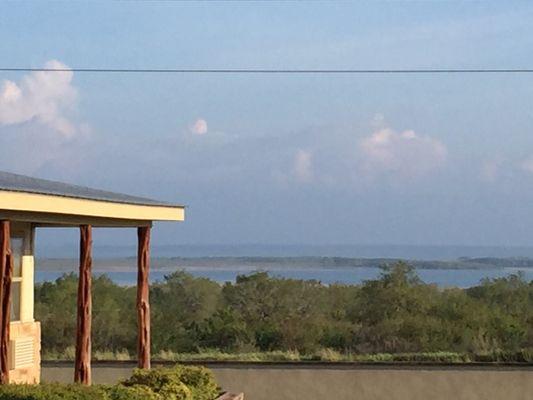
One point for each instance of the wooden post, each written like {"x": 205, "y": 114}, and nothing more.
{"x": 6, "y": 274}
{"x": 82, "y": 371}
{"x": 143, "y": 304}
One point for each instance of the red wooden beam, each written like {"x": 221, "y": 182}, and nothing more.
{"x": 6, "y": 274}
{"x": 82, "y": 366}
{"x": 143, "y": 304}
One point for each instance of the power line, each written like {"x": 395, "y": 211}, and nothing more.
{"x": 235, "y": 1}
{"x": 274, "y": 71}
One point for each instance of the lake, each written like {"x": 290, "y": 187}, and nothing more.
{"x": 441, "y": 277}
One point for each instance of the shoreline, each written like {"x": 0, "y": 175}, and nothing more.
{"x": 170, "y": 264}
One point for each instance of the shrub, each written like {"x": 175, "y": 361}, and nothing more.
{"x": 52, "y": 392}
{"x": 119, "y": 392}
{"x": 55, "y": 391}
{"x": 178, "y": 383}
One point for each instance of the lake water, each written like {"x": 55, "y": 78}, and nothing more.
{"x": 442, "y": 277}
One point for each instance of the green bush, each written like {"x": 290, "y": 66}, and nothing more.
{"x": 55, "y": 391}
{"x": 52, "y": 392}
{"x": 178, "y": 383}
{"x": 119, "y": 392}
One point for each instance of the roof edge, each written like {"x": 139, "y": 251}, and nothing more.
{"x": 26, "y": 184}
{"x": 152, "y": 203}
{"x": 23, "y": 201}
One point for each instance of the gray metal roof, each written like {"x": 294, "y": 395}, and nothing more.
{"x": 27, "y": 184}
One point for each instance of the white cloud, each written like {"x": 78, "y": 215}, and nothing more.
{"x": 491, "y": 169}
{"x": 199, "y": 127}
{"x": 41, "y": 96}
{"x": 404, "y": 154}
{"x": 302, "y": 168}
{"x": 527, "y": 165}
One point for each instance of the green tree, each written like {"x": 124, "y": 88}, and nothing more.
{"x": 178, "y": 303}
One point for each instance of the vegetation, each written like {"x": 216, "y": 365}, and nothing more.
{"x": 396, "y": 317}
{"x": 178, "y": 383}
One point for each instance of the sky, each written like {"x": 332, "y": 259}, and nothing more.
{"x": 281, "y": 159}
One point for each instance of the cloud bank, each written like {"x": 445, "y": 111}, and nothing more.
{"x": 45, "y": 97}
{"x": 402, "y": 154}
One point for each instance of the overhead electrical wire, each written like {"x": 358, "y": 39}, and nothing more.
{"x": 274, "y": 70}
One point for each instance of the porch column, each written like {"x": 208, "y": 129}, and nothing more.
{"x": 6, "y": 273}
{"x": 82, "y": 371}
{"x": 143, "y": 305}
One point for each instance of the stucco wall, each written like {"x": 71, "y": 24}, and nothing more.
{"x": 350, "y": 382}
{"x": 27, "y": 373}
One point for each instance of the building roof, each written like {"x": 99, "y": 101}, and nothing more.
{"x": 28, "y": 184}
{"x": 27, "y": 194}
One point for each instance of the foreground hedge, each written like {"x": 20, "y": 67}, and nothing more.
{"x": 178, "y": 383}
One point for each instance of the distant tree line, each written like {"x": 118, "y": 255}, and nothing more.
{"x": 396, "y": 313}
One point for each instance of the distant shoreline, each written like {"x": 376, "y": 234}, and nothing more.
{"x": 277, "y": 263}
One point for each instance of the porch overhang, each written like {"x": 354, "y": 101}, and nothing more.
{"x": 51, "y": 203}
{"x": 55, "y": 210}
{"x": 29, "y": 203}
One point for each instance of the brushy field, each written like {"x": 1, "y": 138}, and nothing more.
{"x": 395, "y": 318}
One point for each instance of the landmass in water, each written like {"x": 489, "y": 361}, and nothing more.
{"x": 173, "y": 263}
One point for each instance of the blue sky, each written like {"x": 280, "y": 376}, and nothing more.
{"x": 440, "y": 159}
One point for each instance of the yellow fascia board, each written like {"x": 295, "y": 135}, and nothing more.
{"x": 44, "y": 203}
